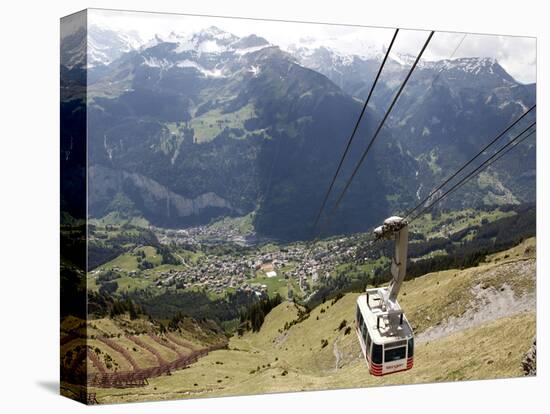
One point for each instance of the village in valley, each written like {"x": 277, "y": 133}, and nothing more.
{"x": 263, "y": 269}
{"x": 228, "y": 256}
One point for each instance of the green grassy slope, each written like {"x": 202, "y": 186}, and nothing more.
{"x": 278, "y": 359}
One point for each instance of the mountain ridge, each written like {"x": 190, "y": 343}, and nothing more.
{"x": 212, "y": 96}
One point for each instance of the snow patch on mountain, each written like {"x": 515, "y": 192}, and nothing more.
{"x": 255, "y": 70}
{"x": 210, "y": 41}
{"x": 517, "y": 102}
{"x": 246, "y": 51}
{"x": 153, "y": 62}
{"x": 165, "y": 64}
{"x": 208, "y": 73}
{"x": 210, "y": 46}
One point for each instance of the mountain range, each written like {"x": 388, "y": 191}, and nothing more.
{"x": 185, "y": 128}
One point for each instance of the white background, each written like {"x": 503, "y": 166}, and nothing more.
{"x": 29, "y": 174}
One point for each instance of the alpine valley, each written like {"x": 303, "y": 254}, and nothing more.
{"x": 193, "y": 166}
{"x": 188, "y": 128}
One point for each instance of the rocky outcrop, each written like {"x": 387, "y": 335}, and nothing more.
{"x": 529, "y": 362}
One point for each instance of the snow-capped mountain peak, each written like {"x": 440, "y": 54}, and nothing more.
{"x": 211, "y": 40}
{"x": 215, "y": 33}
{"x": 105, "y": 45}
{"x": 472, "y": 65}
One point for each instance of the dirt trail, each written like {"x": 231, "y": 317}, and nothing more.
{"x": 337, "y": 354}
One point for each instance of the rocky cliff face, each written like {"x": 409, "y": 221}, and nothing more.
{"x": 141, "y": 193}
{"x": 529, "y": 362}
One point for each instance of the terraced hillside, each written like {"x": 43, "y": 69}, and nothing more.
{"x": 475, "y": 323}
{"x": 121, "y": 352}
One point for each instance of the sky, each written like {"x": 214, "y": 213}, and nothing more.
{"x": 517, "y": 55}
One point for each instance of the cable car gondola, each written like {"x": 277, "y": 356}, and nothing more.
{"x": 384, "y": 333}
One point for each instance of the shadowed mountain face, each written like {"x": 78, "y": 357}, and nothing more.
{"x": 185, "y": 129}
{"x": 449, "y": 110}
